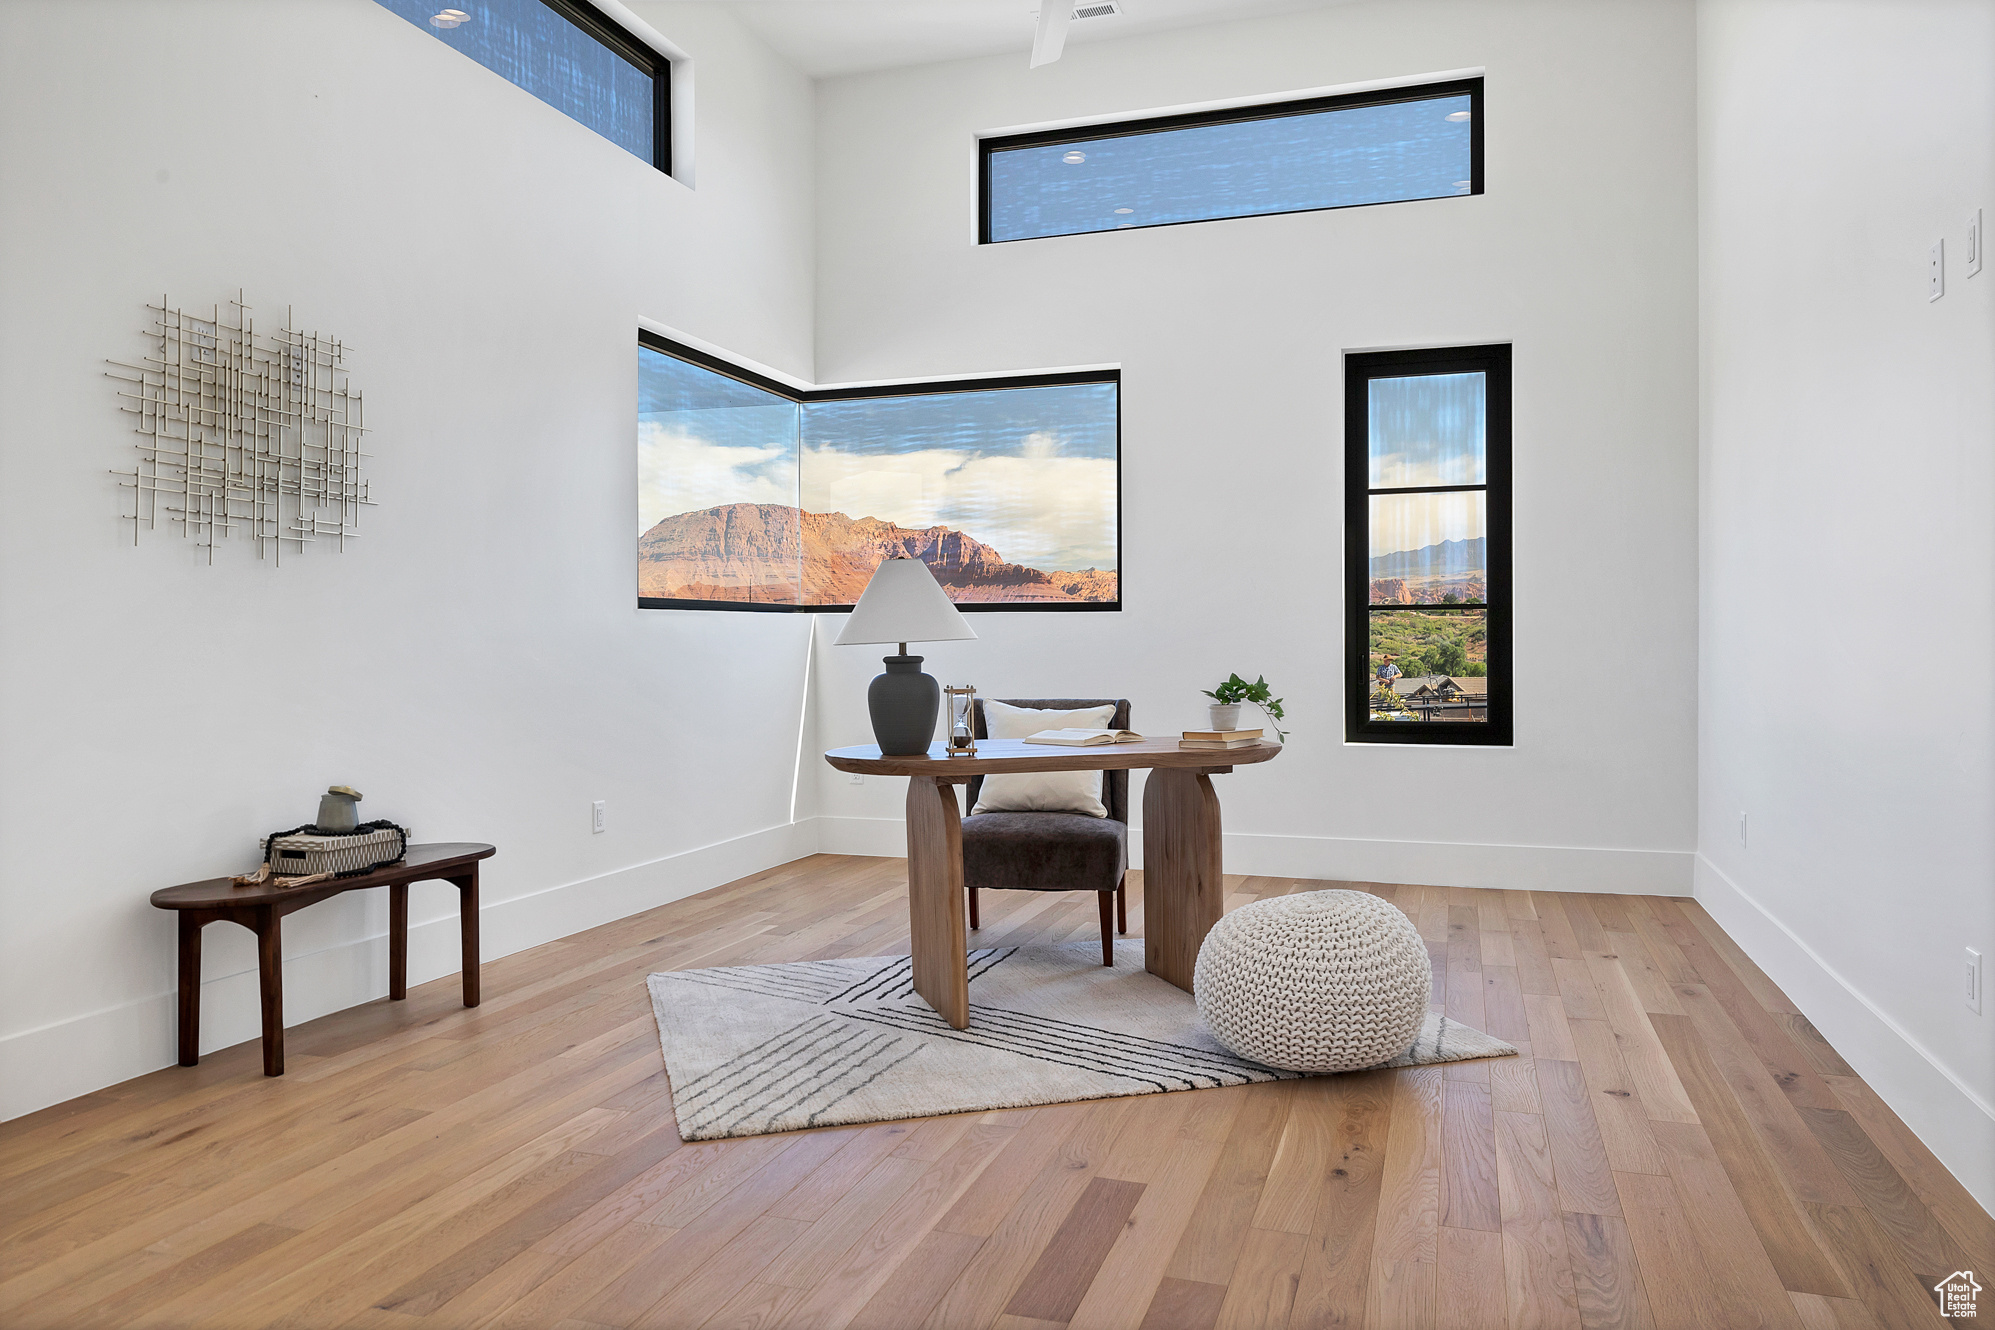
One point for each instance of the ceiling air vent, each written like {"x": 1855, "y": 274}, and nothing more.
{"x": 1098, "y": 9}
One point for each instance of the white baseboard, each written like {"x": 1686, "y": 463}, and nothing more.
{"x": 1956, "y": 1124}
{"x": 72, "y": 1057}
{"x": 1348, "y": 859}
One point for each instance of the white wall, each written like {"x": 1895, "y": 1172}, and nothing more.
{"x": 475, "y": 662}
{"x": 1229, "y": 334}
{"x": 1847, "y": 702}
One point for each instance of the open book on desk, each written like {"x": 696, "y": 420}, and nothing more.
{"x": 1084, "y": 738}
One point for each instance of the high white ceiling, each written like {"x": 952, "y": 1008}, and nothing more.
{"x": 826, "y": 38}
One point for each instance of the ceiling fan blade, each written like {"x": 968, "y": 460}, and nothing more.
{"x": 1050, "y": 37}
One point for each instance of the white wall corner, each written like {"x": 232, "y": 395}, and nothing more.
{"x": 1956, "y": 1123}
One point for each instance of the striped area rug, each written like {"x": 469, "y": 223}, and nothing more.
{"x": 760, "y": 1048}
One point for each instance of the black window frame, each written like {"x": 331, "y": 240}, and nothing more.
{"x": 621, "y": 41}
{"x": 803, "y": 396}
{"x": 1417, "y": 92}
{"x": 1497, "y": 729}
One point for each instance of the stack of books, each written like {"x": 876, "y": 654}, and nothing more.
{"x": 1219, "y": 739}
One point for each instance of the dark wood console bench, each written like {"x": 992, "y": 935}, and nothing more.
{"x": 258, "y": 909}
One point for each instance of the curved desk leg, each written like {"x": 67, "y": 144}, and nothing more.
{"x": 467, "y": 922}
{"x": 1183, "y": 883}
{"x": 190, "y": 987}
{"x": 935, "y": 898}
{"x": 270, "y": 973}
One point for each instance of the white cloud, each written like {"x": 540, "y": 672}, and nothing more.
{"x": 1034, "y": 507}
{"x": 1431, "y": 464}
{"x": 680, "y": 473}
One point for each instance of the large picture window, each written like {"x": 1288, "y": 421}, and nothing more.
{"x": 753, "y": 495}
{"x": 569, "y": 54}
{"x": 1427, "y": 546}
{"x": 1385, "y": 146}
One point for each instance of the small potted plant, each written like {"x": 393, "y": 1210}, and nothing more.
{"x": 1231, "y": 695}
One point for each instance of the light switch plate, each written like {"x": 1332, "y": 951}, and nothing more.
{"x": 1974, "y": 242}
{"x": 1936, "y": 271}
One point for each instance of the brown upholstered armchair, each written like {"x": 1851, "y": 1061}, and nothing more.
{"x": 1053, "y": 851}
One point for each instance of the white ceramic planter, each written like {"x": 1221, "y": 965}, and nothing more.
{"x": 1224, "y": 716}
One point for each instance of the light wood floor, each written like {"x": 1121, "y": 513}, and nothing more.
{"x": 1679, "y": 1147}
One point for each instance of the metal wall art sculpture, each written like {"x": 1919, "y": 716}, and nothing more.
{"x": 241, "y": 433}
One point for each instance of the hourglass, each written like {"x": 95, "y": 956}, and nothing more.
{"x": 961, "y": 742}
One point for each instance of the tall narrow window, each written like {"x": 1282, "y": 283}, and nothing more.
{"x": 569, "y": 54}
{"x": 1427, "y": 546}
{"x": 1384, "y": 146}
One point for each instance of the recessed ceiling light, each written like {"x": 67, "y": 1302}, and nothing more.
{"x": 449, "y": 18}
{"x": 1074, "y": 158}
{"x": 1124, "y": 212}
{"x": 1458, "y": 116}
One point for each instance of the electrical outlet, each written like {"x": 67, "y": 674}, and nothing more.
{"x": 1936, "y": 271}
{"x": 1974, "y": 242}
{"x": 854, "y": 778}
{"x": 1973, "y": 981}
{"x": 599, "y": 816}
{"x": 1742, "y": 828}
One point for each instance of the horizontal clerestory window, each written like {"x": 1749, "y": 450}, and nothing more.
{"x": 754, "y": 495}
{"x": 569, "y": 54}
{"x": 1346, "y": 151}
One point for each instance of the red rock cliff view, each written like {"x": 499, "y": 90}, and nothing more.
{"x": 758, "y": 551}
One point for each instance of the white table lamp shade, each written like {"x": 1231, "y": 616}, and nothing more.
{"x": 904, "y": 603}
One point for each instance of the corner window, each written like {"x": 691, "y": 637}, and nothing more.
{"x": 1347, "y": 151}
{"x": 569, "y": 54}
{"x": 1427, "y": 546}
{"x": 756, "y": 496}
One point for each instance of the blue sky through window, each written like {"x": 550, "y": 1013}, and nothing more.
{"x": 1428, "y": 429}
{"x": 529, "y": 44}
{"x": 1291, "y": 163}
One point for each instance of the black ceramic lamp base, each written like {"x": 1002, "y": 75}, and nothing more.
{"x": 904, "y": 704}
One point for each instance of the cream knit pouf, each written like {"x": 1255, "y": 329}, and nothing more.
{"x": 1319, "y": 981}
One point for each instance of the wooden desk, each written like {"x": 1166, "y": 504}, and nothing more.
{"x": 258, "y": 909}
{"x": 1183, "y": 894}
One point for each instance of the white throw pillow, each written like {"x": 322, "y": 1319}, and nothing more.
{"x": 1041, "y": 791}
